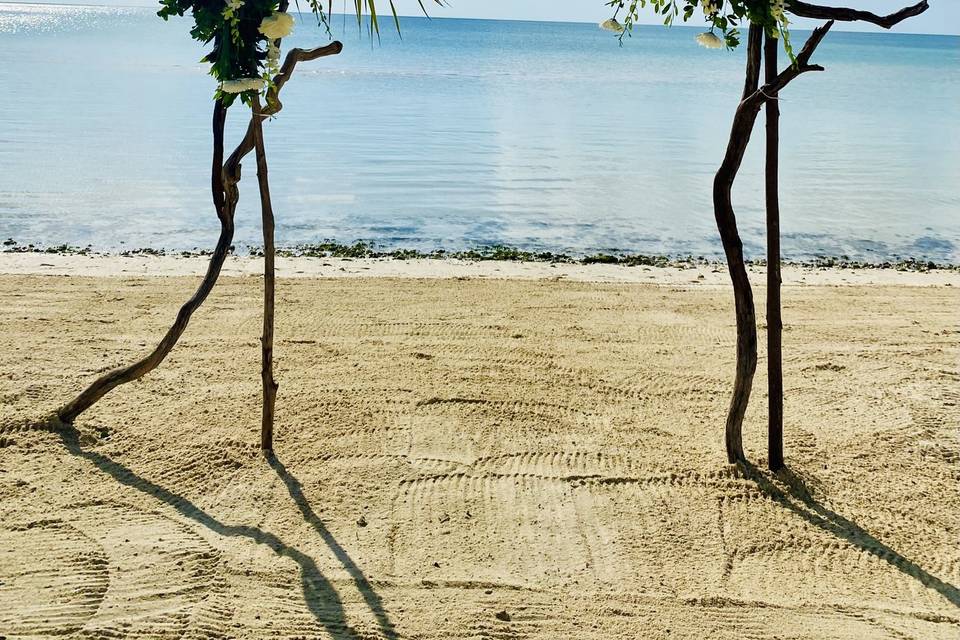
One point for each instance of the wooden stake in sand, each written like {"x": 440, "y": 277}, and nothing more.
{"x": 237, "y": 30}
{"x": 269, "y": 284}
{"x": 767, "y": 20}
{"x": 775, "y": 456}
{"x": 771, "y": 48}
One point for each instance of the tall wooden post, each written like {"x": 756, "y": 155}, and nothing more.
{"x": 269, "y": 284}
{"x": 774, "y": 323}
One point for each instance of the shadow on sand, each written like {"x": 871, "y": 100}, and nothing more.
{"x": 363, "y": 585}
{"x": 789, "y": 490}
{"x": 320, "y": 596}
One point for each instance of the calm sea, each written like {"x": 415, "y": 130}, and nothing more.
{"x": 544, "y": 136}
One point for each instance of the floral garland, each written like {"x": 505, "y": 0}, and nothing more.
{"x": 246, "y": 37}
{"x": 724, "y": 16}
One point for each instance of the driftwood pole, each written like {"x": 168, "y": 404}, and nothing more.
{"x": 733, "y": 249}
{"x": 774, "y": 324}
{"x": 743, "y": 123}
{"x": 775, "y": 454}
{"x": 224, "y": 179}
{"x": 269, "y": 284}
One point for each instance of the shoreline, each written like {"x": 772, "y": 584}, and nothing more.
{"x": 661, "y": 272}
{"x": 480, "y": 253}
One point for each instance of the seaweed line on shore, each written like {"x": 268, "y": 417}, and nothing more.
{"x": 360, "y": 250}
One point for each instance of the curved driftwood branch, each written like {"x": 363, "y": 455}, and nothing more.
{"x": 843, "y": 14}
{"x": 733, "y": 249}
{"x": 225, "y": 208}
{"x": 224, "y": 179}
{"x": 295, "y": 56}
{"x": 770, "y": 89}
{"x": 743, "y": 123}
{"x": 232, "y": 167}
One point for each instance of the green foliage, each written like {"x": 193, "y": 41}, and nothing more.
{"x": 233, "y": 30}
{"x": 725, "y": 16}
{"x": 369, "y": 8}
{"x": 239, "y": 50}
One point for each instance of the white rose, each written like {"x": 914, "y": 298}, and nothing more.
{"x": 276, "y": 26}
{"x": 710, "y": 40}
{"x": 242, "y": 84}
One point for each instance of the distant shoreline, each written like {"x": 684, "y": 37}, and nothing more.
{"x": 491, "y": 253}
{"x": 649, "y": 270}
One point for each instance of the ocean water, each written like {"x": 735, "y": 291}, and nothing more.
{"x": 544, "y": 136}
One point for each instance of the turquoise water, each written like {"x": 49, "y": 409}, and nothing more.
{"x": 539, "y": 135}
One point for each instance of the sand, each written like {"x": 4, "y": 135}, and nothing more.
{"x": 308, "y": 267}
{"x": 477, "y": 458}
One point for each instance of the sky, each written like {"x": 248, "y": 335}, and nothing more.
{"x": 942, "y": 17}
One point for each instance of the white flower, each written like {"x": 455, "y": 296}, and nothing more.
{"x": 710, "y": 40}
{"x": 612, "y": 25}
{"x": 242, "y": 84}
{"x": 276, "y": 26}
{"x": 710, "y": 7}
{"x": 230, "y": 15}
{"x": 273, "y": 59}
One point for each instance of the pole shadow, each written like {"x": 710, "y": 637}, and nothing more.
{"x": 370, "y": 596}
{"x": 796, "y": 497}
{"x": 319, "y": 594}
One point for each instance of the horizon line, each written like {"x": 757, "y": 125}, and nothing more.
{"x": 839, "y": 29}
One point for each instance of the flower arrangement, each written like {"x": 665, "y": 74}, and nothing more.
{"x": 723, "y": 16}
{"x": 245, "y": 35}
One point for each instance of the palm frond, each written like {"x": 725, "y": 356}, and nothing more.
{"x": 370, "y": 7}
